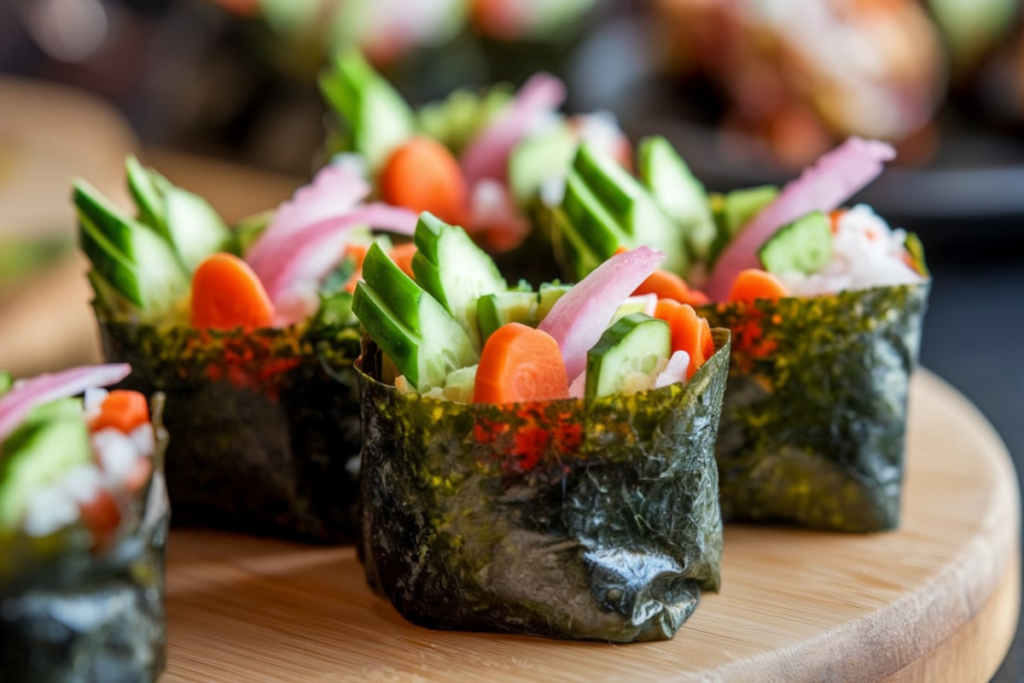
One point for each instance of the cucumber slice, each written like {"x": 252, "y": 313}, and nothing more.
{"x": 455, "y": 271}
{"x": 194, "y": 229}
{"x": 148, "y": 194}
{"x": 634, "y": 344}
{"x": 501, "y": 308}
{"x": 537, "y": 159}
{"x": 146, "y": 272}
{"x": 6, "y": 382}
{"x": 573, "y": 254}
{"x": 412, "y": 328}
{"x": 803, "y": 246}
{"x": 591, "y": 219}
{"x": 631, "y": 207}
{"x": 678, "y": 192}
{"x": 734, "y": 210}
{"x": 461, "y": 384}
{"x": 548, "y": 296}
{"x": 36, "y": 454}
{"x": 378, "y": 119}
{"x": 456, "y": 120}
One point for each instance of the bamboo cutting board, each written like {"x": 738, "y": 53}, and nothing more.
{"x": 936, "y": 601}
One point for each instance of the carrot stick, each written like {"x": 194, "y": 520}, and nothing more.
{"x": 753, "y": 283}
{"x": 422, "y": 175}
{"x": 402, "y": 255}
{"x": 519, "y": 364}
{"x": 670, "y": 286}
{"x": 226, "y": 294}
{"x": 123, "y": 411}
{"x": 101, "y": 516}
{"x": 690, "y": 332}
{"x": 356, "y": 252}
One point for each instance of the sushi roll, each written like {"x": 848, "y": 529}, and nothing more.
{"x": 83, "y": 526}
{"x": 250, "y": 333}
{"x": 485, "y": 160}
{"x": 536, "y": 462}
{"x": 825, "y": 305}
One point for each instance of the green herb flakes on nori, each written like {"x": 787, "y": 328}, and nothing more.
{"x": 814, "y": 420}
{"x": 265, "y": 424}
{"x": 564, "y": 519}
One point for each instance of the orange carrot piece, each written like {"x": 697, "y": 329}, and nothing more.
{"x": 519, "y": 364}
{"x": 690, "y": 332}
{"x": 402, "y": 256}
{"x": 101, "y": 517}
{"x": 121, "y": 410}
{"x": 422, "y": 175}
{"x": 356, "y": 252}
{"x": 666, "y": 285}
{"x": 754, "y": 283}
{"x": 835, "y": 217}
{"x": 226, "y": 294}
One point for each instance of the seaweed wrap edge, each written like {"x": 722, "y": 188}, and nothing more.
{"x": 596, "y": 521}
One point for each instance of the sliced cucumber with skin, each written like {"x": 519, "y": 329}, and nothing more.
{"x": 634, "y": 344}
{"x": 378, "y": 119}
{"x": 38, "y": 453}
{"x": 148, "y": 194}
{"x": 548, "y": 296}
{"x": 146, "y": 272}
{"x": 537, "y": 159}
{"x": 461, "y": 385}
{"x": 804, "y": 246}
{"x": 495, "y": 310}
{"x": 194, "y": 229}
{"x": 574, "y": 255}
{"x": 591, "y": 219}
{"x": 415, "y": 331}
{"x": 455, "y": 271}
{"x": 631, "y": 207}
{"x": 678, "y": 192}
{"x": 734, "y": 210}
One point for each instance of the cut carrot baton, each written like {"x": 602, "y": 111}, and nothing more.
{"x": 123, "y": 411}
{"x": 227, "y": 294}
{"x": 422, "y": 175}
{"x": 357, "y": 253}
{"x": 668, "y": 285}
{"x": 101, "y": 516}
{"x": 690, "y": 332}
{"x": 519, "y": 364}
{"x": 754, "y": 283}
{"x": 402, "y": 256}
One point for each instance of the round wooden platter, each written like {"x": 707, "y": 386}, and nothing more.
{"x": 936, "y": 601}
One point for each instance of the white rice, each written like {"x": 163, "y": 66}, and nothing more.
{"x": 866, "y": 253}
{"x": 115, "y": 457}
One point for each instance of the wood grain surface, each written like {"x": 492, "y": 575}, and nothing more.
{"x": 935, "y": 601}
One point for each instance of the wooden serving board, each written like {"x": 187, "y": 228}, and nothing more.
{"x": 936, "y": 601}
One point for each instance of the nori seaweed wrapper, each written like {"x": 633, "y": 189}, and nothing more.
{"x": 72, "y": 614}
{"x": 595, "y": 521}
{"x": 815, "y": 412}
{"x": 265, "y": 424}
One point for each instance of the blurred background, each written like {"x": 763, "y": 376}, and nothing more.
{"x": 221, "y": 96}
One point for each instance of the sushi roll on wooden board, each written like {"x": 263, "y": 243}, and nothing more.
{"x": 249, "y": 332}
{"x": 83, "y": 526}
{"x": 481, "y": 160}
{"x": 825, "y": 305}
{"x": 540, "y": 462}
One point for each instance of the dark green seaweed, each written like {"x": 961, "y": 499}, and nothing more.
{"x": 265, "y": 424}
{"x": 595, "y": 521}
{"x": 815, "y": 412}
{"x": 72, "y": 614}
